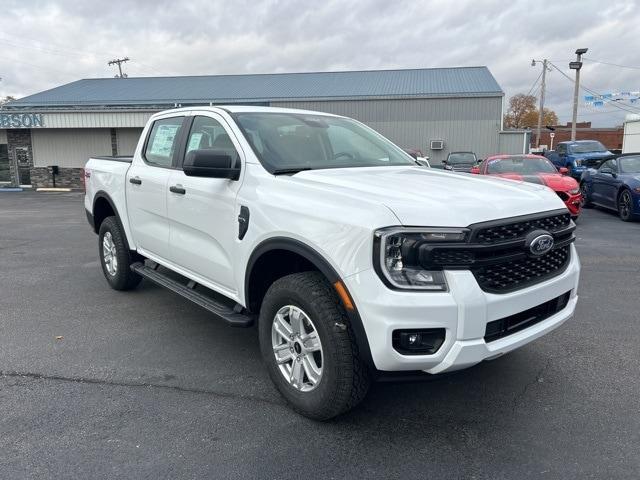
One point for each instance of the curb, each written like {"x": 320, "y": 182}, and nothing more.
{"x": 53, "y": 189}
{"x": 11, "y": 189}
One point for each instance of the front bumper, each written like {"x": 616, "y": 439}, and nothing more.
{"x": 463, "y": 312}
{"x": 573, "y": 204}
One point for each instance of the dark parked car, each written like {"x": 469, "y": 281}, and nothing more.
{"x": 460, "y": 161}
{"x": 614, "y": 185}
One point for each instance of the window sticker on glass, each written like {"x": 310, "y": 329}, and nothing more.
{"x": 163, "y": 141}
{"x": 194, "y": 141}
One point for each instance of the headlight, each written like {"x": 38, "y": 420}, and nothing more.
{"x": 397, "y": 256}
{"x": 578, "y": 162}
{"x": 575, "y": 191}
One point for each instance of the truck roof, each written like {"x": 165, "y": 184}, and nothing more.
{"x": 244, "y": 108}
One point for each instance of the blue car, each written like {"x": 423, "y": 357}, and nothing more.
{"x": 578, "y": 156}
{"x": 614, "y": 185}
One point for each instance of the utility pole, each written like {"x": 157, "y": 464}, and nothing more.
{"x": 542, "y": 89}
{"x": 119, "y": 62}
{"x": 577, "y": 65}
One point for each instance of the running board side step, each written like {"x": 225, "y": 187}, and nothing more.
{"x": 232, "y": 316}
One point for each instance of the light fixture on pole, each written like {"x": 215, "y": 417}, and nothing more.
{"x": 577, "y": 66}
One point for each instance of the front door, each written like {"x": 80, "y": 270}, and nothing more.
{"x": 147, "y": 187}
{"x": 202, "y": 211}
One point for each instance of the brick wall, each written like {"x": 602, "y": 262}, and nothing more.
{"x": 18, "y": 140}
{"x": 609, "y": 137}
{"x": 66, "y": 177}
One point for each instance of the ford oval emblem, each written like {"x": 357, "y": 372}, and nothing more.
{"x": 539, "y": 243}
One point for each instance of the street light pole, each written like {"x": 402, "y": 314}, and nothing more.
{"x": 542, "y": 88}
{"x": 577, "y": 65}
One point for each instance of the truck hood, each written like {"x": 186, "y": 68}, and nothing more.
{"x": 592, "y": 159}
{"x": 421, "y": 196}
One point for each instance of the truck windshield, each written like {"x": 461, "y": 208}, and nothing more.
{"x": 587, "y": 147}
{"x": 461, "y": 157}
{"x": 290, "y": 142}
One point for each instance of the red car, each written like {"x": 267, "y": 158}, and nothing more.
{"x": 534, "y": 169}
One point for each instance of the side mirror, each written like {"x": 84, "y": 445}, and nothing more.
{"x": 423, "y": 162}
{"x": 475, "y": 170}
{"x": 563, "y": 170}
{"x": 211, "y": 163}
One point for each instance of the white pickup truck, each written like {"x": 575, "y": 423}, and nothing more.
{"x": 353, "y": 260}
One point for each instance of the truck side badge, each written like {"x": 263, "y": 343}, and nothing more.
{"x": 243, "y": 222}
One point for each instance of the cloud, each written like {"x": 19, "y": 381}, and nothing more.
{"x": 44, "y": 44}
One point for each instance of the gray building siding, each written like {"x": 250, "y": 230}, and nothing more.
{"x": 69, "y": 148}
{"x": 463, "y": 123}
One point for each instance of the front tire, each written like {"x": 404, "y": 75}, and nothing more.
{"x": 586, "y": 197}
{"x": 115, "y": 257}
{"x": 309, "y": 347}
{"x": 625, "y": 206}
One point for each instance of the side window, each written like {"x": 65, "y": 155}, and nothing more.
{"x": 162, "y": 141}
{"x": 208, "y": 134}
{"x": 610, "y": 164}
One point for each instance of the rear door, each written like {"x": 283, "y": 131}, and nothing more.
{"x": 146, "y": 186}
{"x": 202, "y": 211}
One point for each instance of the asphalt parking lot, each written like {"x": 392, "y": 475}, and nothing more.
{"x": 144, "y": 384}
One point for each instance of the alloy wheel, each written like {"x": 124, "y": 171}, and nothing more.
{"x": 109, "y": 254}
{"x": 624, "y": 205}
{"x": 297, "y": 348}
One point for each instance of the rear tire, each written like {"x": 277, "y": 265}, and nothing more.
{"x": 625, "y": 206}
{"x": 338, "y": 379}
{"x": 115, "y": 257}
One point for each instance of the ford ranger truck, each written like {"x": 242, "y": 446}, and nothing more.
{"x": 578, "y": 156}
{"x": 352, "y": 260}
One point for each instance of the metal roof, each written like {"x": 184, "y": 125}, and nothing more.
{"x": 372, "y": 84}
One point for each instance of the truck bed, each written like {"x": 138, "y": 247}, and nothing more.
{"x": 117, "y": 158}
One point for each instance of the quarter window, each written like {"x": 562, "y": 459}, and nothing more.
{"x": 163, "y": 141}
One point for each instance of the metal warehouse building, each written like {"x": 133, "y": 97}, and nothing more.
{"x": 434, "y": 110}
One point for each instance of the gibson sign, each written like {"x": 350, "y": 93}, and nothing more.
{"x": 21, "y": 120}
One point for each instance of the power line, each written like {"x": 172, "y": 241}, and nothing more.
{"x": 535, "y": 83}
{"x": 593, "y": 92}
{"x": 612, "y": 64}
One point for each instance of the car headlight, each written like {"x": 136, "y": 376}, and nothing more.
{"x": 575, "y": 191}
{"x": 397, "y": 256}
{"x": 578, "y": 162}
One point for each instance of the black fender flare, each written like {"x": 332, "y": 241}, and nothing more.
{"x": 101, "y": 194}
{"x": 310, "y": 254}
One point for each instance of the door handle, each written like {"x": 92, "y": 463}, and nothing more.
{"x": 177, "y": 189}
{"x": 135, "y": 181}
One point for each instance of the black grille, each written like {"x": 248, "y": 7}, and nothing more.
{"x": 516, "y": 230}
{"x": 563, "y": 195}
{"x": 514, "y": 323}
{"x": 512, "y": 275}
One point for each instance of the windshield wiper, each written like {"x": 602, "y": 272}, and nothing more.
{"x": 290, "y": 170}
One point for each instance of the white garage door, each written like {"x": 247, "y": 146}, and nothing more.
{"x": 69, "y": 147}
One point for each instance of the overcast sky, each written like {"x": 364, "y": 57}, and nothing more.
{"x": 44, "y": 44}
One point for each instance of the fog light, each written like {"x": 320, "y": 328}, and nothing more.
{"x": 418, "y": 341}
